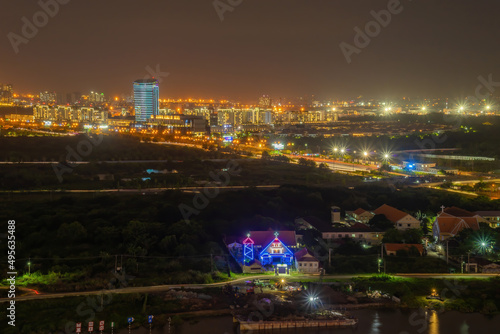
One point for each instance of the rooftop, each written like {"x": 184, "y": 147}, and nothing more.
{"x": 398, "y": 247}
{"x": 393, "y": 214}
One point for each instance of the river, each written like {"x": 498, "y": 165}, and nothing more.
{"x": 391, "y": 321}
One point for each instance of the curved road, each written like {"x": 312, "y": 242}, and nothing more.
{"x": 158, "y": 288}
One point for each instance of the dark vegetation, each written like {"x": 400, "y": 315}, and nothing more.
{"x": 110, "y": 148}
{"x": 80, "y": 234}
{"x": 464, "y": 295}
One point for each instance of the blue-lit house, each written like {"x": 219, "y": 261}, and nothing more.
{"x": 276, "y": 252}
{"x": 265, "y": 248}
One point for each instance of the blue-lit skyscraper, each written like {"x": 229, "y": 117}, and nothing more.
{"x": 146, "y": 96}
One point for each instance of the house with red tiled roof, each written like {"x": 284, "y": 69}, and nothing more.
{"x": 305, "y": 262}
{"x": 392, "y": 249}
{"x": 362, "y": 215}
{"x": 450, "y": 221}
{"x": 400, "y": 219}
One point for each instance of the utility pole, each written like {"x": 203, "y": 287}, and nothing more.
{"x": 228, "y": 268}
{"x": 211, "y": 263}
{"x": 330, "y": 256}
{"x": 447, "y": 254}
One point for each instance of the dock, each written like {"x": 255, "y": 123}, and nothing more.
{"x": 289, "y": 324}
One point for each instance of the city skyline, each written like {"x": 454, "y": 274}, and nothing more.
{"x": 280, "y": 50}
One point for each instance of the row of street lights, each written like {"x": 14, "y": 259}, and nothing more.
{"x": 385, "y": 155}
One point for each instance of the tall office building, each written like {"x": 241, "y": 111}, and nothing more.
{"x": 6, "y": 93}
{"x": 48, "y": 97}
{"x": 146, "y": 96}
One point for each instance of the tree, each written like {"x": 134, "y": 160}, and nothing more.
{"x": 380, "y": 222}
{"x": 411, "y": 236}
{"x": 385, "y": 167}
{"x": 392, "y": 236}
{"x": 72, "y": 231}
{"x": 306, "y": 162}
{"x": 480, "y": 186}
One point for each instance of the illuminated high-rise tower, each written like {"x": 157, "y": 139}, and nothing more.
{"x": 146, "y": 96}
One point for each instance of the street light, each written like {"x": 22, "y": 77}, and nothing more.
{"x": 29, "y": 267}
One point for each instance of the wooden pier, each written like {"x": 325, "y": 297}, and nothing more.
{"x": 290, "y": 324}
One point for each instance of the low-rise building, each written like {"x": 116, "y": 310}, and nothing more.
{"x": 271, "y": 249}
{"x": 361, "y": 215}
{"x": 400, "y": 219}
{"x": 493, "y": 217}
{"x": 305, "y": 262}
{"x": 450, "y": 221}
{"x": 358, "y": 232}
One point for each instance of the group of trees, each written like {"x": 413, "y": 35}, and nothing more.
{"x": 105, "y": 148}
{"x": 483, "y": 242}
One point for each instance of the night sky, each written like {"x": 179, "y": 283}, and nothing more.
{"x": 282, "y": 48}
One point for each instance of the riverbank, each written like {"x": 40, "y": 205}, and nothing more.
{"x": 182, "y": 305}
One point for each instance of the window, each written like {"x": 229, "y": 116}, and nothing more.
{"x": 408, "y": 225}
{"x": 360, "y": 235}
{"x": 300, "y": 264}
{"x": 310, "y": 264}
{"x": 315, "y": 264}
{"x": 354, "y": 235}
{"x": 340, "y": 235}
{"x": 400, "y": 224}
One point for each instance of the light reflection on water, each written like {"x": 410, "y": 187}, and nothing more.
{"x": 376, "y": 324}
{"x": 433, "y": 323}
{"x": 370, "y": 322}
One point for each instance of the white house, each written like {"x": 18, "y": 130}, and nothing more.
{"x": 401, "y": 220}
{"x": 306, "y": 263}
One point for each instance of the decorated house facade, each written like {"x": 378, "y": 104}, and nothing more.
{"x": 267, "y": 249}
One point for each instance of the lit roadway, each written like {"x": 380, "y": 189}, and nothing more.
{"x": 435, "y": 185}
{"x": 144, "y": 191}
{"x": 336, "y": 165}
{"x": 160, "y": 288}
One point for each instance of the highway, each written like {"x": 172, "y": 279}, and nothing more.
{"x": 196, "y": 189}
{"x": 160, "y": 288}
